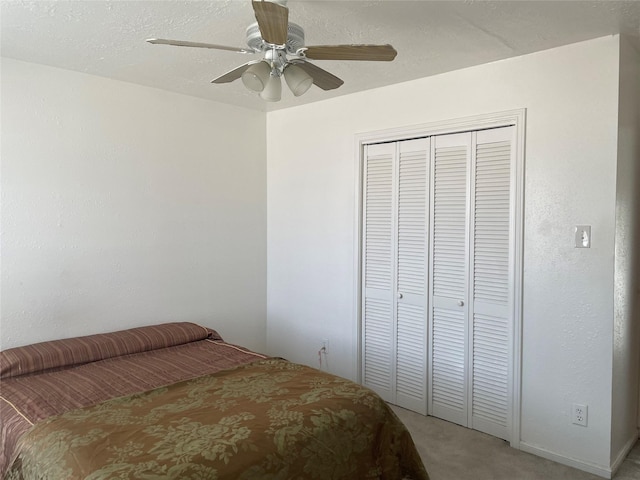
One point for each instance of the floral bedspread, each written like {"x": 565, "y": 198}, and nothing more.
{"x": 269, "y": 420}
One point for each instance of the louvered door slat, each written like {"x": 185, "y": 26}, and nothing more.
{"x": 448, "y": 353}
{"x": 378, "y": 238}
{"x": 491, "y": 283}
{"x": 449, "y": 276}
{"x": 412, "y": 213}
{"x": 411, "y": 351}
{"x": 411, "y": 328}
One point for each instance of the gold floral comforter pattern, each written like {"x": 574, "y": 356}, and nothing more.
{"x": 268, "y": 420}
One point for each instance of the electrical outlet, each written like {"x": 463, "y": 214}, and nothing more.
{"x": 579, "y": 414}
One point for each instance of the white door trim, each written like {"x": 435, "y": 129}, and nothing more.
{"x": 479, "y": 122}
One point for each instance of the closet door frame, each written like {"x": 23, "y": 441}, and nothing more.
{"x": 517, "y": 118}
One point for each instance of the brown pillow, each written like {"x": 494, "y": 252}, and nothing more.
{"x": 57, "y": 354}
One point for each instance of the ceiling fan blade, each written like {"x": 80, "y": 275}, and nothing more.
{"x": 232, "y": 75}
{"x": 321, "y": 78}
{"x": 181, "y": 43}
{"x": 273, "y": 20}
{"x": 376, "y": 53}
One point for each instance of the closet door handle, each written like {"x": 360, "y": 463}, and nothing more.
{"x": 399, "y": 295}
{"x": 460, "y": 303}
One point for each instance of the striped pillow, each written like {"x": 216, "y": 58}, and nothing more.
{"x": 57, "y": 354}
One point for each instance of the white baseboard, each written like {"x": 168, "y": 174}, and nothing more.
{"x": 623, "y": 453}
{"x": 599, "y": 470}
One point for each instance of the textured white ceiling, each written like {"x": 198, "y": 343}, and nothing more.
{"x": 106, "y": 37}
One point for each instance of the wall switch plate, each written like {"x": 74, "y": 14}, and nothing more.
{"x": 583, "y": 236}
{"x": 579, "y": 414}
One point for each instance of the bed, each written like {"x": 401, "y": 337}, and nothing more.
{"x": 176, "y": 401}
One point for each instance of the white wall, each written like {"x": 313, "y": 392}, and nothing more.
{"x": 627, "y": 267}
{"x": 570, "y": 94}
{"x": 124, "y": 205}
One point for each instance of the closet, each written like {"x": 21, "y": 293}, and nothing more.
{"x": 438, "y": 275}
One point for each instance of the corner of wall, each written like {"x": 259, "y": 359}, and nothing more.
{"x": 626, "y": 339}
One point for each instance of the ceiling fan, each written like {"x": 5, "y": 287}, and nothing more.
{"x": 284, "y": 54}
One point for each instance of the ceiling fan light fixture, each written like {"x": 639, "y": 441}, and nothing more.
{"x": 278, "y": 39}
{"x": 256, "y": 77}
{"x": 297, "y": 79}
{"x": 273, "y": 89}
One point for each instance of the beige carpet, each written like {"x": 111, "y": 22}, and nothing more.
{"x": 451, "y": 452}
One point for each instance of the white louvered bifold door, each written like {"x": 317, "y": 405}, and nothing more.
{"x": 378, "y": 269}
{"x": 411, "y": 287}
{"x": 394, "y": 271}
{"x": 449, "y": 277}
{"x": 438, "y": 276}
{"x": 491, "y": 282}
{"x": 472, "y": 279}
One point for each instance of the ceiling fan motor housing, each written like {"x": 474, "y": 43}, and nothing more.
{"x": 295, "y": 39}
